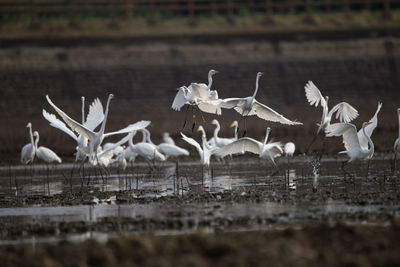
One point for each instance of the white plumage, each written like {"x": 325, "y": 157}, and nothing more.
{"x": 219, "y": 141}
{"x": 249, "y": 106}
{"x": 344, "y": 111}
{"x": 289, "y": 149}
{"x": 45, "y": 154}
{"x": 246, "y": 144}
{"x": 28, "y": 150}
{"x": 351, "y": 141}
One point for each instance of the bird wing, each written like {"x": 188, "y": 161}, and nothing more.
{"x": 369, "y": 129}
{"x": 75, "y": 126}
{"x": 200, "y": 90}
{"x": 268, "y": 114}
{"x": 132, "y": 127}
{"x": 275, "y": 148}
{"x": 117, "y": 144}
{"x": 227, "y": 103}
{"x": 209, "y": 108}
{"x": 349, "y": 133}
{"x": 179, "y": 100}
{"x": 344, "y": 111}
{"x": 95, "y": 115}
{"x": 245, "y": 144}
{"x": 56, "y": 123}
{"x": 314, "y": 95}
{"x": 192, "y": 142}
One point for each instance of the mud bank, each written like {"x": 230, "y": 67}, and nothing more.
{"x": 339, "y": 246}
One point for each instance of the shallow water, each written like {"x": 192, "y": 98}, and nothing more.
{"x": 300, "y": 193}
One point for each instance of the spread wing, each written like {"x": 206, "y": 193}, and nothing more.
{"x": 241, "y": 145}
{"x": 344, "y": 111}
{"x": 56, "y": 123}
{"x": 192, "y": 142}
{"x": 369, "y": 129}
{"x": 114, "y": 146}
{"x": 179, "y": 100}
{"x": 349, "y": 133}
{"x": 200, "y": 90}
{"x": 75, "y": 126}
{"x": 132, "y": 127}
{"x": 268, "y": 114}
{"x": 227, "y": 103}
{"x": 95, "y": 116}
{"x": 313, "y": 95}
{"x": 209, "y": 108}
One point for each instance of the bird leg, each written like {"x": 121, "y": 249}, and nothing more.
{"x": 184, "y": 122}
{"x": 312, "y": 142}
{"x": 193, "y": 122}
{"x": 47, "y": 178}
{"x": 368, "y": 167}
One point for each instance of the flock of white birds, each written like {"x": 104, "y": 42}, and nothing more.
{"x": 358, "y": 144}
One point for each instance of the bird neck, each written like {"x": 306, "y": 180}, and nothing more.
{"x": 209, "y": 80}
{"x": 83, "y": 111}
{"x": 103, "y": 125}
{"x": 256, "y": 90}
{"x": 148, "y": 135}
{"x": 130, "y": 140}
{"x": 266, "y": 138}
{"x": 144, "y": 136}
{"x": 371, "y": 144}
{"x": 37, "y": 141}
{"x": 31, "y": 136}
{"x": 216, "y": 130}
{"x": 236, "y": 133}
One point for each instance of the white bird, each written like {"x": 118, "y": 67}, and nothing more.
{"x": 28, "y": 150}
{"x": 94, "y": 118}
{"x": 168, "y": 139}
{"x": 248, "y": 106}
{"x": 45, "y": 154}
{"x": 145, "y": 149}
{"x": 195, "y": 94}
{"x": 96, "y": 138}
{"x": 396, "y": 146}
{"x": 351, "y": 140}
{"x": 369, "y": 129}
{"x": 246, "y": 144}
{"x": 205, "y": 151}
{"x": 289, "y": 149}
{"x": 218, "y": 141}
{"x": 344, "y": 111}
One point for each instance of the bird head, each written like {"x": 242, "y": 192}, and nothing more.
{"x": 215, "y": 122}
{"x": 111, "y": 96}
{"x": 29, "y": 125}
{"x": 326, "y": 98}
{"x": 259, "y": 74}
{"x": 212, "y": 71}
{"x": 35, "y": 133}
{"x": 233, "y": 124}
{"x": 398, "y": 111}
{"x": 82, "y": 98}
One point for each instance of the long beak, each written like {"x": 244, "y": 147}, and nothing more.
{"x": 198, "y": 129}
{"x": 232, "y": 125}
{"x": 28, "y": 125}
{"x": 216, "y": 71}
{"x": 261, "y": 74}
{"x": 370, "y": 122}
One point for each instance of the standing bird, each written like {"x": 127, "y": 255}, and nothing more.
{"x": 246, "y": 144}
{"x": 168, "y": 139}
{"x": 248, "y": 106}
{"x": 28, "y": 150}
{"x": 205, "y": 151}
{"x": 45, "y": 154}
{"x": 218, "y": 141}
{"x": 351, "y": 141}
{"x": 146, "y": 149}
{"x": 397, "y": 142}
{"x": 344, "y": 111}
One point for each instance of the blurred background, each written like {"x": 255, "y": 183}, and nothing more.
{"x": 142, "y": 51}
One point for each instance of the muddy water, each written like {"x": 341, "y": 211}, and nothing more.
{"x": 63, "y": 202}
